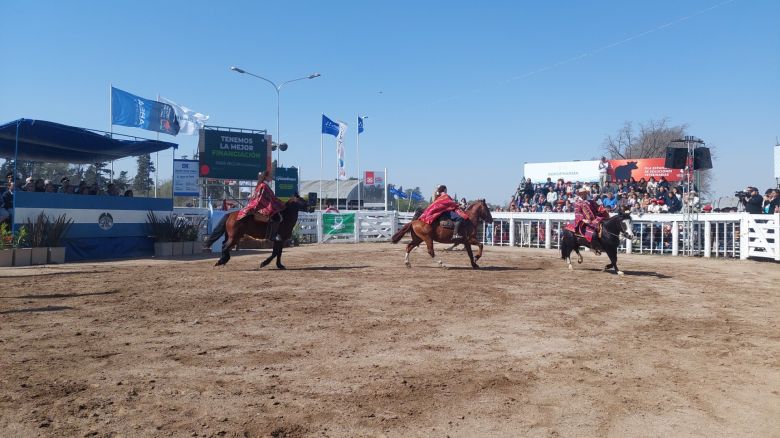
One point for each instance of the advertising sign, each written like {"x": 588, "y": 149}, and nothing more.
{"x": 185, "y": 178}
{"x": 373, "y": 188}
{"x": 585, "y": 171}
{"x": 638, "y": 168}
{"x": 233, "y": 155}
{"x": 338, "y": 224}
{"x": 285, "y": 182}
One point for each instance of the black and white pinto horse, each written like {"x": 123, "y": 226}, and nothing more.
{"x": 611, "y": 231}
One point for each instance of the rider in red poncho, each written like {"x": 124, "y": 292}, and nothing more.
{"x": 587, "y": 215}
{"x": 444, "y": 204}
{"x": 264, "y": 201}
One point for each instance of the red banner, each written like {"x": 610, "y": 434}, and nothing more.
{"x": 369, "y": 178}
{"x": 639, "y": 168}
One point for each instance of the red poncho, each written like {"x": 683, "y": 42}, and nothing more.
{"x": 591, "y": 211}
{"x": 441, "y": 205}
{"x": 263, "y": 201}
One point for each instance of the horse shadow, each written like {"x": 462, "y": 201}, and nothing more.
{"x": 37, "y": 309}
{"x": 630, "y": 273}
{"x": 486, "y": 268}
{"x": 55, "y": 296}
{"x": 313, "y": 268}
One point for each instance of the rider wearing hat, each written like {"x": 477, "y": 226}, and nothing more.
{"x": 444, "y": 204}
{"x": 587, "y": 214}
{"x": 264, "y": 201}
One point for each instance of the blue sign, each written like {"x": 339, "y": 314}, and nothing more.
{"x": 185, "y": 178}
{"x": 130, "y": 110}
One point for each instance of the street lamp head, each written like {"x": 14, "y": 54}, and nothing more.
{"x": 237, "y": 70}
{"x": 313, "y": 75}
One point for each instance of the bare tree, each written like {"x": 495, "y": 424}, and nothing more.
{"x": 650, "y": 141}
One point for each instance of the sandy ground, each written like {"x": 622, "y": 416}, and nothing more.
{"x": 348, "y": 342}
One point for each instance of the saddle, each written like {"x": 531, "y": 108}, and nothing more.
{"x": 259, "y": 217}
{"x": 446, "y": 223}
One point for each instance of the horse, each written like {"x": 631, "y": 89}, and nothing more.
{"x": 422, "y": 232}
{"x": 234, "y": 230}
{"x": 608, "y": 240}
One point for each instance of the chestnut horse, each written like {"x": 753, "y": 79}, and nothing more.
{"x": 234, "y": 230}
{"x": 422, "y": 232}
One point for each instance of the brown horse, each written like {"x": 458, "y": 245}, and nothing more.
{"x": 422, "y": 232}
{"x": 234, "y": 230}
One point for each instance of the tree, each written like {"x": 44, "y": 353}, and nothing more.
{"x": 97, "y": 173}
{"x": 143, "y": 182}
{"x": 650, "y": 141}
{"x": 122, "y": 182}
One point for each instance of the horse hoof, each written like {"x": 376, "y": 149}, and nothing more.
{"x": 571, "y": 268}
{"x": 620, "y": 273}
{"x": 408, "y": 265}
{"x": 280, "y": 267}
{"x": 475, "y": 266}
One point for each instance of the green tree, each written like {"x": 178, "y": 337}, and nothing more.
{"x": 122, "y": 182}
{"x": 143, "y": 182}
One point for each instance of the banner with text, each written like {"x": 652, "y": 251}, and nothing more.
{"x": 286, "y": 182}
{"x": 338, "y": 224}
{"x": 373, "y": 188}
{"x": 586, "y": 171}
{"x": 185, "y": 178}
{"x": 233, "y": 155}
{"x": 638, "y": 168}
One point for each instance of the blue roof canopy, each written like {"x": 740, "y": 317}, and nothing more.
{"x": 40, "y": 140}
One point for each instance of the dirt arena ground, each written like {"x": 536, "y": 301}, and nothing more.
{"x": 348, "y": 342}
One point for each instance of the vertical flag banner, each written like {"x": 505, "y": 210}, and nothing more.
{"x": 190, "y": 122}
{"x": 130, "y": 110}
{"x": 329, "y": 126}
{"x": 360, "y": 125}
{"x": 342, "y": 172}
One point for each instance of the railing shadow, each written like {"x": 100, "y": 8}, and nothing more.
{"x": 36, "y": 309}
{"x": 64, "y": 295}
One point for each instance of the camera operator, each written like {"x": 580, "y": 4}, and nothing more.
{"x": 752, "y": 200}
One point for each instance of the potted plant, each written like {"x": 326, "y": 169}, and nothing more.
{"x": 22, "y": 253}
{"x": 161, "y": 230}
{"x": 37, "y": 238}
{"x": 56, "y": 231}
{"x": 179, "y": 229}
{"x": 190, "y": 235}
{"x": 6, "y": 246}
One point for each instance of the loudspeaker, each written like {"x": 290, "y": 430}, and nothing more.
{"x": 312, "y": 199}
{"x": 702, "y": 159}
{"x": 675, "y": 158}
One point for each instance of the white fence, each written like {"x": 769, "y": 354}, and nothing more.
{"x": 728, "y": 235}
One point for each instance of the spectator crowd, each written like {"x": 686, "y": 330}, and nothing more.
{"x": 643, "y": 196}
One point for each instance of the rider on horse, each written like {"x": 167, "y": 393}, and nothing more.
{"x": 444, "y": 204}
{"x": 588, "y": 215}
{"x": 264, "y": 201}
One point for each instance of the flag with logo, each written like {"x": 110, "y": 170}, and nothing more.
{"x": 190, "y": 122}
{"x": 416, "y": 196}
{"x": 130, "y": 110}
{"x": 398, "y": 193}
{"x": 360, "y": 125}
{"x": 329, "y": 126}
{"x": 342, "y": 172}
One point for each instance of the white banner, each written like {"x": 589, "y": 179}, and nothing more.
{"x": 586, "y": 171}
{"x": 342, "y": 172}
{"x": 190, "y": 122}
{"x": 185, "y": 178}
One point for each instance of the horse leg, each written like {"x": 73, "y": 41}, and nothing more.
{"x": 280, "y": 245}
{"x": 612, "y": 254}
{"x": 474, "y": 264}
{"x": 566, "y": 248}
{"x": 274, "y": 253}
{"x": 226, "y": 245}
{"x": 429, "y": 243}
{"x": 409, "y": 247}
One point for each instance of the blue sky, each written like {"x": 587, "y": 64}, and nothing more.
{"x": 459, "y": 101}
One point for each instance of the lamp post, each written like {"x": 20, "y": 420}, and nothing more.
{"x": 278, "y": 89}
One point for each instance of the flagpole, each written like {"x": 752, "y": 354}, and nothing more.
{"x": 110, "y": 125}
{"x": 358, "y": 161}
{"x": 385, "y": 185}
{"x": 320, "y": 197}
{"x": 157, "y": 160}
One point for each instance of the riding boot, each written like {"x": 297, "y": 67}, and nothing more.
{"x": 273, "y": 231}
{"x": 455, "y": 230}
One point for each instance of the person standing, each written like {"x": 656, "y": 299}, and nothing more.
{"x": 7, "y": 204}
{"x": 603, "y": 171}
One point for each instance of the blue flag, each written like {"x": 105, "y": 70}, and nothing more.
{"x": 417, "y": 197}
{"x": 329, "y": 126}
{"x": 360, "y": 124}
{"x": 130, "y": 110}
{"x": 397, "y": 193}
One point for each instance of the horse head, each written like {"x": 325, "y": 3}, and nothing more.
{"x": 480, "y": 211}
{"x": 625, "y": 224}
{"x": 299, "y": 204}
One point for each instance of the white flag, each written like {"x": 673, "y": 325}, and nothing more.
{"x": 340, "y": 150}
{"x": 190, "y": 122}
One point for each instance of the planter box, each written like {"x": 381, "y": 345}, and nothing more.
{"x": 188, "y": 248}
{"x": 40, "y": 255}
{"x": 22, "y": 256}
{"x": 57, "y": 255}
{"x": 178, "y": 247}
{"x": 6, "y": 257}
{"x": 163, "y": 249}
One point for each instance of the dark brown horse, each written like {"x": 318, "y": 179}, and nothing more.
{"x": 234, "y": 230}
{"x": 422, "y": 232}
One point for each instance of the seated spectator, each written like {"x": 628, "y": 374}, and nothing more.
{"x": 111, "y": 190}
{"x": 609, "y": 201}
{"x": 708, "y": 209}
{"x": 664, "y": 183}
{"x": 655, "y": 206}
{"x": 641, "y": 185}
{"x": 29, "y": 185}
{"x": 7, "y": 203}
{"x": 672, "y": 202}
{"x": 772, "y": 201}
{"x": 651, "y": 186}
{"x": 65, "y": 186}
{"x": 48, "y": 187}
{"x": 40, "y": 186}
{"x": 552, "y": 197}
{"x": 82, "y": 188}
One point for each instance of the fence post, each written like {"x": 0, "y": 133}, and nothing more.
{"x": 319, "y": 227}
{"x": 357, "y": 226}
{"x": 777, "y": 236}
{"x": 547, "y": 233}
{"x": 511, "y": 231}
{"x": 675, "y": 239}
{"x": 744, "y": 236}
{"x": 707, "y": 238}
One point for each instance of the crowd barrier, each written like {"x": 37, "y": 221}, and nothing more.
{"x": 724, "y": 235}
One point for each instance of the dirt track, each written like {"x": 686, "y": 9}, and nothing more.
{"x": 348, "y": 342}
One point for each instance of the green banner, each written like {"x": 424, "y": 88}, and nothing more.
{"x": 286, "y": 182}
{"x": 232, "y": 155}
{"x": 338, "y": 224}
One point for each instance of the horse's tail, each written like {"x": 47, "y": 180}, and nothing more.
{"x": 565, "y": 244}
{"x": 400, "y": 233}
{"x": 219, "y": 230}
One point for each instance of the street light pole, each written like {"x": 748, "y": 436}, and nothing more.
{"x": 278, "y": 89}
